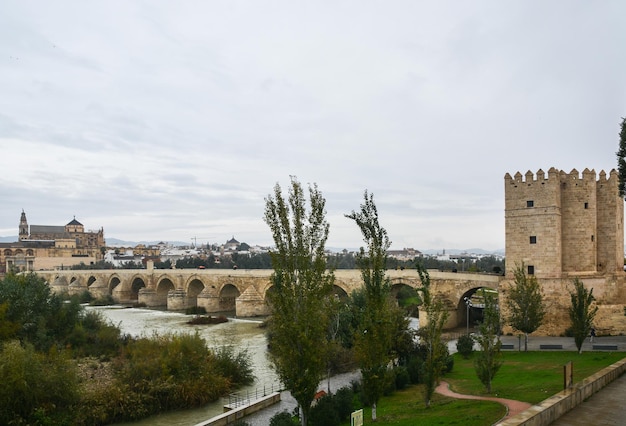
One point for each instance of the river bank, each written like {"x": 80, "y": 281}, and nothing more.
{"x": 237, "y": 333}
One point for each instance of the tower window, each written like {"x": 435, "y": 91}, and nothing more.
{"x": 586, "y": 206}
{"x": 531, "y": 270}
{"x": 530, "y": 203}
{"x": 533, "y": 239}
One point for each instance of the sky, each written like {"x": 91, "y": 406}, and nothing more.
{"x": 173, "y": 121}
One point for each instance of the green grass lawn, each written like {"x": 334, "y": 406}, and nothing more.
{"x": 529, "y": 376}
{"x": 524, "y": 376}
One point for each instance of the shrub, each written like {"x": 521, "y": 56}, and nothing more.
{"x": 402, "y": 377}
{"x": 103, "y": 301}
{"x": 176, "y": 371}
{"x": 324, "y": 412}
{"x": 237, "y": 367}
{"x": 283, "y": 419}
{"x": 93, "y": 336}
{"x": 195, "y": 310}
{"x": 465, "y": 346}
{"x": 414, "y": 368}
{"x": 449, "y": 364}
{"x": 344, "y": 401}
{"x": 36, "y": 388}
{"x": 84, "y": 297}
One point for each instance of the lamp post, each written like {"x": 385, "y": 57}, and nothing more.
{"x": 468, "y": 305}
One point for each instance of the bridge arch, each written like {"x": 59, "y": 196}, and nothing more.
{"x": 136, "y": 284}
{"x": 228, "y": 295}
{"x": 193, "y": 289}
{"x": 163, "y": 287}
{"x": 114, "y": 282}
{"x": 340, "y": 292}
{"x": 471, "y": 305}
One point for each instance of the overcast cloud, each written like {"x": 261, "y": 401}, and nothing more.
{"x": 161, "y": 120}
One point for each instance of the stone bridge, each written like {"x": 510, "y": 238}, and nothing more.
{"x": 244, "y": 291}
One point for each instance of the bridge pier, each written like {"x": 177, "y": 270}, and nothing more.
{"x": 99, "y": 289}
{"x": 210, "y": 302}
{"x": 251, "y": 304}
{"x": 176, "y": 300}
{"x": 150, "y": 298}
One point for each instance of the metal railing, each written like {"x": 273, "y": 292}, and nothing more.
{"x": 246, "y": 397}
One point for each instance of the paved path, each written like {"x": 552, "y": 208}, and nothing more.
{"x": 605, "y": 408}
{"x": 513, "y": 407}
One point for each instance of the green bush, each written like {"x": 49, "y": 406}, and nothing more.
{"x": 173, "y": 371}
{"x": 195, "y": 310}
{"x": 449, "y": 364}
{"x": 324, "y": 412}
{"x": 402, "y": 377}
{"x": 283, "y": 419}
{"x": 465, "y": 346}
{"x": 94, "y": 336}
{"x": 84, "y": 297}
{"x": 33, "y": 314}
{"x": 106, "y": 300}
{"x": 414, "y": 368}
{"x": 237, "y": 367}
{"x": 36, "y": 388}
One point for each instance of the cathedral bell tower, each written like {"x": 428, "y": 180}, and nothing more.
{"x": 23, "y": 227}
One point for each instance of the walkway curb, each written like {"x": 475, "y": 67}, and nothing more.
{"x": 554, "y": 407}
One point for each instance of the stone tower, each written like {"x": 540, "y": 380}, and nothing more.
{"x": 564, "y": 224}
{"x": 23, "y": 231}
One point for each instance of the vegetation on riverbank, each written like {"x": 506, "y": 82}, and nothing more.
{"x": 62, "y": 365}
{"x": 524, "y": 376}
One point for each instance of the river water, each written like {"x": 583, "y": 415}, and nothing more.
{"x": 238, "y": 333}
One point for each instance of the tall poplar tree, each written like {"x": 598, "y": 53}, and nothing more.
{"x": 488, "y": 359}
{"x": 621, "y": 159}
{"x": 581, "y": 313}
{"x": 302, "y": 286}
{"x": 435, "y": 347}
{"x": 525, "y": 303}
{"x": 374, "y": 338}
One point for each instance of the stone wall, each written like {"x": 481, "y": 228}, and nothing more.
{"x": 549, "y": 410}
{"x": 565, "y": 223}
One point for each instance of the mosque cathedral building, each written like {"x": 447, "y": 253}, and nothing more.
{"x": 45, "y": 247}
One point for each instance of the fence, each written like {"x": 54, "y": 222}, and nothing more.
{"x": 247, "y": 397}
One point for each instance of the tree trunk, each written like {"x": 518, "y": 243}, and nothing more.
{"x": 525, "y": 342}
{"x": 374, "y": 412}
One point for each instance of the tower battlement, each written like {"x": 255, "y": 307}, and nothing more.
{"x": 564, "y": 223}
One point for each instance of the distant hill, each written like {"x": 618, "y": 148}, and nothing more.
{"x": 9, "y": 239}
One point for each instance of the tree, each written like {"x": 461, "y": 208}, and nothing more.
{"x": 525, "y": 303}
{"x": 374, "y": 338}
{"x": 581, "y": 314}
{"x": 488, "y": 361}
{"x": 621, "y": 159}
{"x": 33, "y": 313}
{"x": 297, "y": 330}
{"x": 434, "y": 346}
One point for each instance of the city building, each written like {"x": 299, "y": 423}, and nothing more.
{"x": 41, "y": 247}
